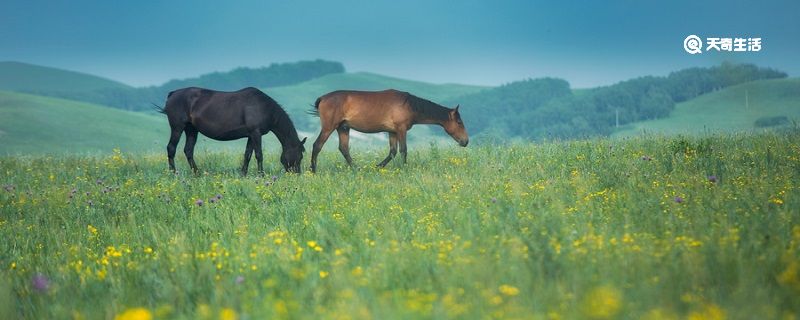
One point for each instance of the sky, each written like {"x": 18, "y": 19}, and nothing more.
{"x": 588, "y": 43}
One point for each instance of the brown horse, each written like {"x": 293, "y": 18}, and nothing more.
{"x": 247, "y": 113}
{"x": 389, "y": 111}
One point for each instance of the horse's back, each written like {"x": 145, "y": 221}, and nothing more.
{"x": 223, "y": 115}
{"x": 366, "y": 111}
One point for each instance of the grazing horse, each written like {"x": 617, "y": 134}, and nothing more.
{"x": 247, "y": 113}
{"x": 389, "y": 111}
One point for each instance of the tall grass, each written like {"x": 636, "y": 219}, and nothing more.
{"x": 640, "y": 228}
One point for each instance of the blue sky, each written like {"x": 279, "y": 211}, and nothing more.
{"x": 476, "y": 42}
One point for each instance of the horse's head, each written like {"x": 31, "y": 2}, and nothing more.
{"x": 291, "y": 157}
{"x": 455, "y": 127}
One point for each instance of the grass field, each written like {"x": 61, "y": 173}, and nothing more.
{"x": 733, "y": 109}
{"x": 642, "y": 228}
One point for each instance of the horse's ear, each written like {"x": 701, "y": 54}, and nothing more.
{"x": 303, "y": 141}
{"x": 456, "y": 109}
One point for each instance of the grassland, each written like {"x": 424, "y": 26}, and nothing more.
{"x": 642, "y": 228}
{"x": 733, "y": 109}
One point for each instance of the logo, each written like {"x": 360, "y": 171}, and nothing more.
{"x": 693, "y": 44}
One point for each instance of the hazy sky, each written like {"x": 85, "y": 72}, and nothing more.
{"x": 475, "y": 42}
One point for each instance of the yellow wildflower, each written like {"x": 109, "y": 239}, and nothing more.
{"x": 135, "y": 314}
{"x": 509, "y": 290}
{"x": 602, "y": 303}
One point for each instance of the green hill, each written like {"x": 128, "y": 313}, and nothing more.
{"x": 35, "y": 124}
{"x": 23, "y": 77}
{"x": 45, "y": 125}
{"x": 32, "y": 124}
{"x": 735, "y": 108}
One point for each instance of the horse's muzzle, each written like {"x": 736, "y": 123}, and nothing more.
{"x": 463, "y": 143}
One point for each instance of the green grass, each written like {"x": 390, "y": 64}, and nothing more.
{"x": 584, "y": 229}
{"x": 18, "y": 76}
{"x": 731, "y": 109}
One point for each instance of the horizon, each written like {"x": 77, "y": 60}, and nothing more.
{"x": 369, "y": 72}
{"x": 476, "y": 42}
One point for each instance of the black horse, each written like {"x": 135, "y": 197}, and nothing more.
{"x": 247, "y": 113}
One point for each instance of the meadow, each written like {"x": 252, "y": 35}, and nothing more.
{"x": 650, "y": 227}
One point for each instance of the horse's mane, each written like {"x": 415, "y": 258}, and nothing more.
{"x": 285, "y": 124}
{"x": 427, "y": 109}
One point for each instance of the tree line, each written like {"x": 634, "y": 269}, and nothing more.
{"x": 547, "y": 108}
{"x": 138, "y": 99}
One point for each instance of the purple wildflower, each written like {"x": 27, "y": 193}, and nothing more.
{"x": 199, "y": 202}
{"x": 90, "y": 203}
{"x": 494, "y": 199}
{"x": 274, "y": 178}
{"x": 646, "y": 158}
{"x": 212, "y": 200}
{"x": 9, "y": 187}
{"x": 678, "y": 199}
{"x": 712, "y": 179}
{"x": 40, "y": 282}
{"x": 239, "y": 279}
{"x": 99, "y": 181}
{"x": 219, "y": 196}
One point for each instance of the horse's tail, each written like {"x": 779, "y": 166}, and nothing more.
{"x": 159, "y": 109}
{"x": 315, "y": 111}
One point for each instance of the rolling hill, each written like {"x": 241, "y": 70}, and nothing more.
{"x": 31, "y": 124}
{"x": 23, "y": 77}
{"x": 36, "y": 124}
{"x": 731, "y": 109}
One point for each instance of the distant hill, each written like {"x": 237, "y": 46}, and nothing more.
{"x": 276, "y": 74}
{"x": 44, "y": 125}
{"x": 546, "y": 108}
{"x": 45, "y": 81}
{"x": 37, "y": 124}
{"x": 735, "y": 108}
{"x": 24, "y": 77}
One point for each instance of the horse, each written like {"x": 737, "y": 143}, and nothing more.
{"x": 389, "y": 111}
{"x": 247, "y": 113}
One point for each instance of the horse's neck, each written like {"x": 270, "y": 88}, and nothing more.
{"x": 286, "y": 134}
{"x": 432, "y": 116}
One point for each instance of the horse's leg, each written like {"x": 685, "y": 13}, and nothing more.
{"x": 188, "y": 148}
{"x": 344, "y": 143}
{"x": 323, "y": 136}
{"x": 392, "y": 149}
{"x": 248, "y": 152}
{"x": 256, "y": 137}
{"x": 401, "y": 137}
{"x": 174, "y": 138}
